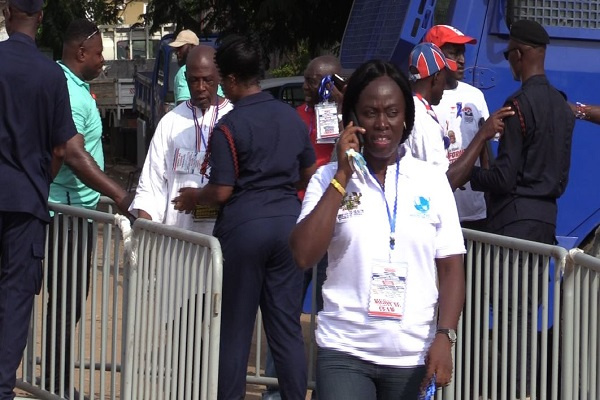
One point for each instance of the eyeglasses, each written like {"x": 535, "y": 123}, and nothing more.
{"x": 88, "y": 37}
{"x": 508, "y": 51}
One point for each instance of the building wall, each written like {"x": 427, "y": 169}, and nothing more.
{"x": 133, "y": 10}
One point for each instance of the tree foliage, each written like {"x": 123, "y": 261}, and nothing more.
{"x": 58, "y": 14}
{"x": 281, "y": 25}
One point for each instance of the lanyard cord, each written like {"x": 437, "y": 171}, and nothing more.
{"x": 445, "y": 139}
{"x": 200, "y": 140}
{"x": 391, "y": 218}
{"x": 427, "y": 107}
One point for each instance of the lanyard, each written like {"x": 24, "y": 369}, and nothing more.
{"x": 445, "y": 139}
{"x": 391, "y": 218}
{"x": 427, "y": 107}
{"x": 200, "y": 140}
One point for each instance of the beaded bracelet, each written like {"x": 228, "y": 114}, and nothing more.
{"x": 580, "y": 109}
{"x": 338, "y": 187}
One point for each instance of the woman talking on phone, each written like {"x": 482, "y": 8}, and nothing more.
{"x": 395, "y": 282}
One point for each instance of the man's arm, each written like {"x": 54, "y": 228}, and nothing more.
{"x": 58, "y": 157}
{"x": 502, "y": 176}
{"x": 459, "y": 171}
{"x": 88, "y": 171}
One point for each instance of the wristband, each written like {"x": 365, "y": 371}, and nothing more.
{"x": 338, "y": 187}
{"x": 580, "y": 109}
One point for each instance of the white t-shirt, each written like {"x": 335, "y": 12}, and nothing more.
{"x": 459, "y": 112}
{"x": 426, "y": 141}
{"x": 427, "y": 228}
{"x": 160, "y": 180}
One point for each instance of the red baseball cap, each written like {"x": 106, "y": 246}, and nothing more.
{"x": 442, "y": 34}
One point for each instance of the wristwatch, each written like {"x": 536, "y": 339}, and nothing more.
{"x": 451, "y": 333}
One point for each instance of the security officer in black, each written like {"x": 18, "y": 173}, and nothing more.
{"x": 532, "y": 167}
{"x": 534, "y": 153}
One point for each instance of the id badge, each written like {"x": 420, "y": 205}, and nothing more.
{"x": 205, "y": 212}
{"x": 188, "y": 161}
{"x": 388, "y": 289}
{"x": 328, "y": 128}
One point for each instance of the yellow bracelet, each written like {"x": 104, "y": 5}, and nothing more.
{"x": 338, "y": 187}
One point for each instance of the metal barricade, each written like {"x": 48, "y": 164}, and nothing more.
{"x": 509, "y": 342}
{"x": 581, "y": 339}
{"x": 81, "y": 247}
{"x": 133, "y": 333}
{"x": 174, "y": 314}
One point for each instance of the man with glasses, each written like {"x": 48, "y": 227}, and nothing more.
{"x": 531, "y": 170}
{"x": 35, "y": 124}
{"x": 78, "y": 183}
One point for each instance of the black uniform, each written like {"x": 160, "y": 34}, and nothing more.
{"x": 532, "y": 167}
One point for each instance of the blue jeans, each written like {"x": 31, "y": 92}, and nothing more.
{"x": 341, "y": 376}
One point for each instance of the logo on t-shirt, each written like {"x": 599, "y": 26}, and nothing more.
{"x": 422, "y": 204}
{"x": 350, "y": 206}
{"x": 468, "y": 114}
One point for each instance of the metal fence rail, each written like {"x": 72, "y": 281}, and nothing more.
{"x": 150, "y": 322}
{"x": 581, "y": 326}
{"x": 173, "y": 326}
{"x": 94, "y": 348}
{"x": 137, "y": 337}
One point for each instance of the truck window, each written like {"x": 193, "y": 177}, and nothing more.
{"x": 562, "y": 19}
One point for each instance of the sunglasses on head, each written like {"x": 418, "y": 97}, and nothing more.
{"x": 88, "y": 37}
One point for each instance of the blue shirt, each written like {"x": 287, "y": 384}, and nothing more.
{"x": 67, "y": 188}
{"x": 35, "y": 116}
{"x": 271, "y": 146}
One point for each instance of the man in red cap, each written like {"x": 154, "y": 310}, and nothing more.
{"x": 461, "y": 113}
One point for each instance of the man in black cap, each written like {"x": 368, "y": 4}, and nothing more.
{"x": 532, "y": 167}
{"x": 35, "y": 125}
{"x": 534, "y": 154}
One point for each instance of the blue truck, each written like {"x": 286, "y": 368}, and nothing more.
{"x": 389, "y": 29}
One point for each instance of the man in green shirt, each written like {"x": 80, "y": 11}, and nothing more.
{"x": 79, "y": 184}
{"x": 182, "y": 44}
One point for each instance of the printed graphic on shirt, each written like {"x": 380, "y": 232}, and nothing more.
{"x": 350, "y": 207}
{"x": 422, "y": 204}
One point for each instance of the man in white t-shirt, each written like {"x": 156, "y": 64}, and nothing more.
{"x": 461, "y": 112}
{"x": 428, "y": 71}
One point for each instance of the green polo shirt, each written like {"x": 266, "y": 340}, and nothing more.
{"x": 66, "y": 187}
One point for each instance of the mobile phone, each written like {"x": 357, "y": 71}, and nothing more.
{"x": 338, "y": 81}
{"x": 361, "y": 140}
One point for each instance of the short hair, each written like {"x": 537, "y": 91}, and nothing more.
{"x": 240, "y": 56}
{"x": 79, "y": 30}
{"x": 364, "y": 75}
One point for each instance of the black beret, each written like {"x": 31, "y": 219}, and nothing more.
{"x": 529, "y": 32}
{"x": 28, "y": 6}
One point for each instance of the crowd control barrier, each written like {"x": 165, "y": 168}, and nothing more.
{"x": 150, "y": 322}
{"x": 146, "y": 330}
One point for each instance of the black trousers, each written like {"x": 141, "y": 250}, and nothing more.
{"x": 21, "y": 254}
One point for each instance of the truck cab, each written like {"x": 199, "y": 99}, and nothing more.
{"x": 388, "y": 29}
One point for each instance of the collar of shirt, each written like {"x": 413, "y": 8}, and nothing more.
{"x": 535, "y": 80}
{"x": 72, "y": 77}
{"x": 22, "y": 38}
{"x": 253, "y": 99}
